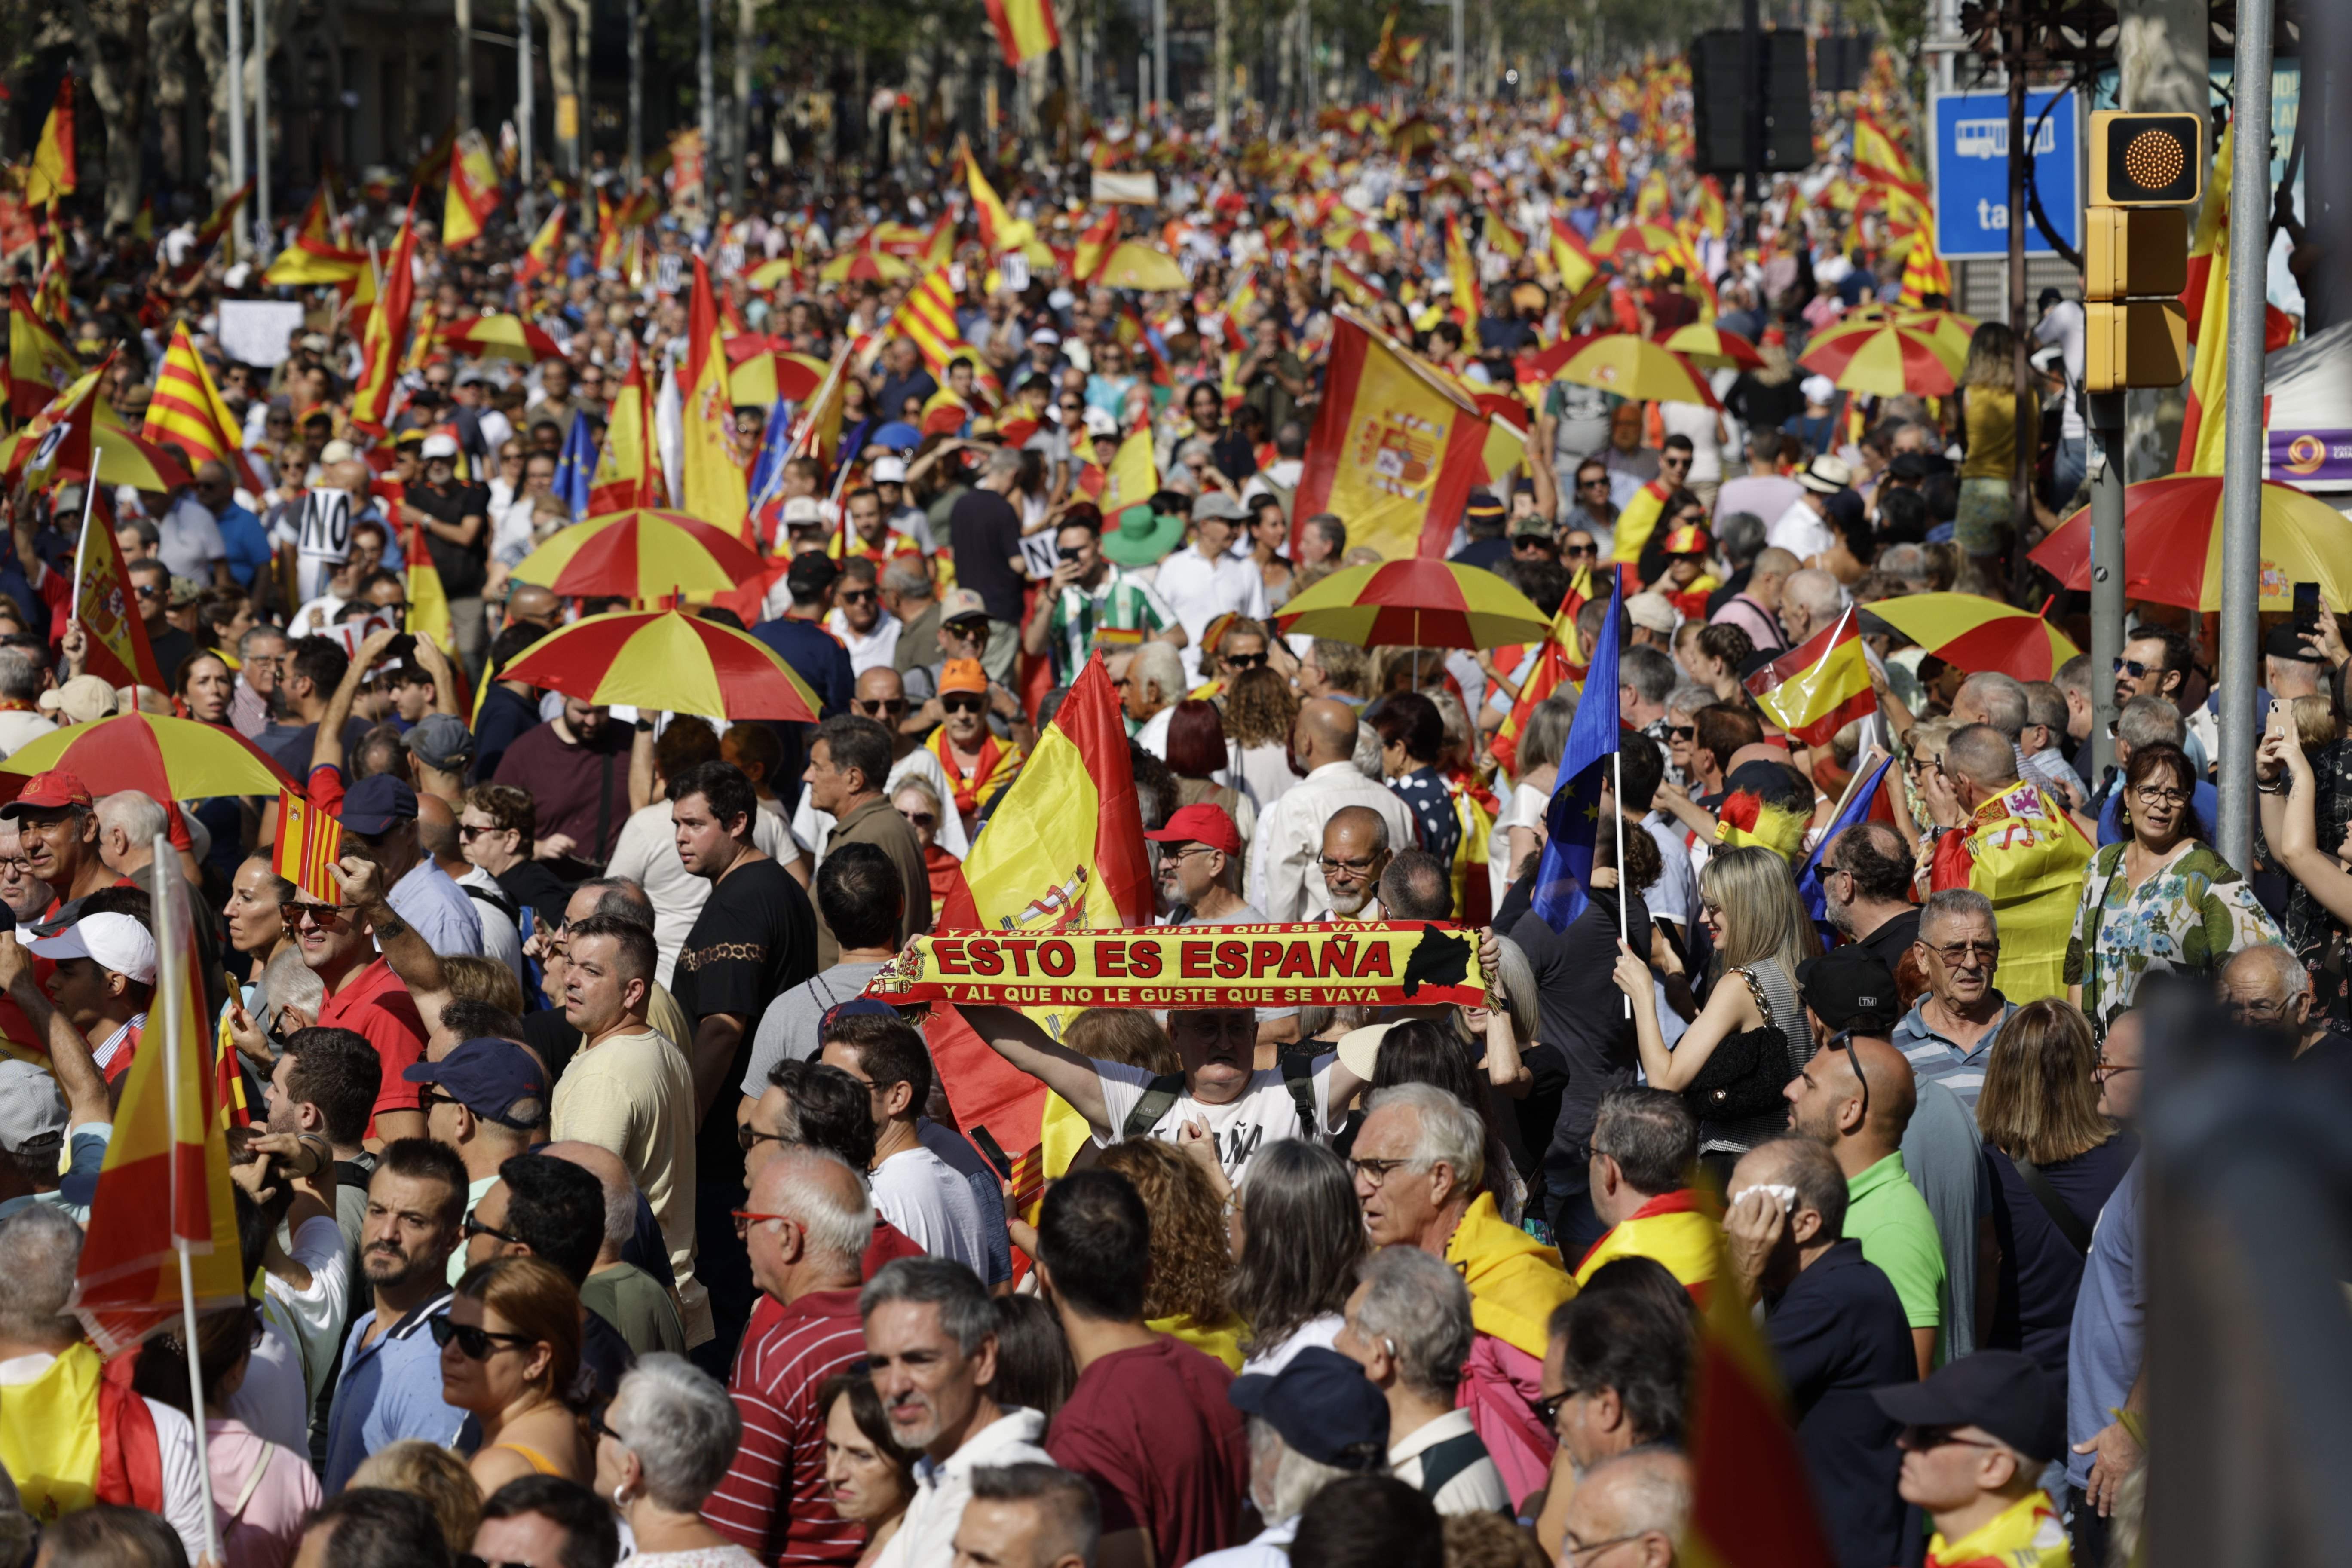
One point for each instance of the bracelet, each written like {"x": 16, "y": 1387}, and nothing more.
{"x": 325, "y": 1150}
{"x": 2280, "y": 787}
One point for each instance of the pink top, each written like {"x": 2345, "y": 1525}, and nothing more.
{"x": 261, "y": 1494}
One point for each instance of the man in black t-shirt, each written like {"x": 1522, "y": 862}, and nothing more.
{"x": 453, "y": 518}
{"x": 755, "y": 938}
{"x": 985, "y": 529}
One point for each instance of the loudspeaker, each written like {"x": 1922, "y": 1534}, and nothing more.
{"x": 1721, "y": 102}
{"x": 1841, "y": 59}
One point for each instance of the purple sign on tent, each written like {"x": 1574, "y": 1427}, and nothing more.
{"x": 2311, "y": 459}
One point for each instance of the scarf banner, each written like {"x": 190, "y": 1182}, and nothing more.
{"x": 1385, "y": 963}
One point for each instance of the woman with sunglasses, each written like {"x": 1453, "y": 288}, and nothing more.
{"x": 868, "y": 1477}
{"x": 663, "y": 1444}
{"x": 509, "y": 1356}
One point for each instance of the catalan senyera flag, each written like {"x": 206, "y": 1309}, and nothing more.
{"x": 1025, "y": 29}
{"x": 387, "y": 330}
{"x": 1819, "y": 687}
{"x": 51, "y": 174}
{"x": 1924, "y": 271}
{"x": 714, "y": 489}
{"x": 928, "y": 318}
{"x": 163, "y": 1192}
{"x": 1751, "y": 1500}
{"x": 309, "y": 840}
{"x": 2203, "y": 442}
{"x": 1395, "y": 448}
{"x": 1064, "y": 848}
{"x": 187, "y": 410}
{"x": 39, "y": 365}
{"x": 118, "y": 650}
{"x": 1878, "y": 157}
{"x": 473, "y": 190}
{"x": 1463, "y": 273}
{"x": 539, "y": 255}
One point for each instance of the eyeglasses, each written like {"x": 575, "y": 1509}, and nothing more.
{"x": 1244, "y": 661}
{"x": 963, "y": 704}
{"x": 326, "y": 917}
{"x": 1579, "y": 552}
{"x": 1548, "y": 1408}
{"x": 893, "y": 706}
{"x": 472, "y": 830}
{"x": 473, "y": 1343}
{"x": 2105, "y": 1070}
{"x": 1961, "y": 952}
{"x": 1919, "y": 1439}
{"x": 748, "y": 1138}
{"x": 1353, "y": 867}
{"x": 746, "y": 1218}
{"x": 2252, "y": 1010}
{"x": 1845, "y": 1038}
{"x": 474, "y": 1227}
{"x": 596, "y": 1428}
{"x": 1375, "y": 1173}
{"x": 2131, "y": 668}
{"x": 2150, "y": 794}
{"x": 856, "y": 595}
{"x": 1573, "y": 1552}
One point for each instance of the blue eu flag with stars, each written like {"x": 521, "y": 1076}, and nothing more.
{"x": 1573, "y": 820}
{"x": 575, "y": 471}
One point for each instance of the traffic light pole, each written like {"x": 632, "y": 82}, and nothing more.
{"x": 2242, "y": 472}
{"x": 2106, "y": 421}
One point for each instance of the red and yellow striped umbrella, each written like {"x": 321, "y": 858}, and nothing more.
{"x": 1978, "y": 634}
{"x": 860, "y": 266}
{"x": 501, "y": 337}
{"x": 641, "y": 554}
{"x": 1632, "y": 366}
{"x": 1884, "y": 359}
{"x": 1629, "y": 239}
{"x": 2172, "y": 545}
{"x": 162, "y": 758}
{"x": 1415, "y": 604}
{"x": 1710, "y": 345}
{"x": 667, "y": 660}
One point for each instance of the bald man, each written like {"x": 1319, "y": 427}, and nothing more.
{"x": 1632, "y": 1509}
{"x": 2266, "y": 986}
{"x": 1855, "y": 1098}
{"x": 1810, "y": 601}
{"x": 530, "y": 604}
{"x": 1286, "y": 872}
{"x": 624, "y": 1295}
{"x": 1356, "y": 855}
{"x": 2010, "y": 841}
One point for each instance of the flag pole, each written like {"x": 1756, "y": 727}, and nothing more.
{"x": 171, "y": 958}
{"x": 81, "y": 541}
{"x": 1617, "y": 810}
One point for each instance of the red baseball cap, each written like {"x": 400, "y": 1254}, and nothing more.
{"x": 51, "y": 790}
{"x": 1201, "y": 823}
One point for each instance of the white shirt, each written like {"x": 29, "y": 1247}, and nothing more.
{"x": 20, "y": 728}
{"x": 1199, "y": 590}
{"x": 185, "y": 1498}
{"x": 502, "y": 939}
{"x": 1802, "y": 531}
{"x": 316, "y": 616}
{"x": 930, "y": 1203}
{"x": 510, "y": 530}
{"x": 926, "y": 1537}
{"x": 1476, "y": 1489}
{"x": 1319, "y": 1330}
{"x": 1269, "y": 1548}
{"x": 301, "y": 1331}
{"x": 1265, "y": 1112}
{"x": 190, "y": 540}
{"x": 1153, "y": 736}
{"x": 646, "y": 852}
{"x": 875, "y": 650}
{"x": 1286, "y": 874}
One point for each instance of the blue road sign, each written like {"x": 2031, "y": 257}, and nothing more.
{"x": 1971, "y": 171}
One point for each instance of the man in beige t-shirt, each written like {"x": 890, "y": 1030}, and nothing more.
{"x": 629, "y": 1089}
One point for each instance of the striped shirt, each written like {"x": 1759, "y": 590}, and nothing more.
{"x": 773, "y": 1502}
{"x": 1120, "y": 602}
{"x": 1933, "y": 1056}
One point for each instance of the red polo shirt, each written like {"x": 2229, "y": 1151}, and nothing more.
{"x": 377, "y": 1005}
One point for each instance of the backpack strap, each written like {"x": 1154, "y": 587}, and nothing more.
{"x": 1448, "y": 1460}
{"x": 1164, "y": 1092}
{"x": 2069, "y": 1224}
{"x": 1298, "y": 1078}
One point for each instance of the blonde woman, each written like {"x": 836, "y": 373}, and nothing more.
{"x": 1762, "y": 932}
{"x": 1995, "y": 424}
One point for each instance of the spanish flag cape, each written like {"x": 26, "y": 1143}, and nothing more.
{"x": 1514, "y": 1281}
{"x": 995, "y": 767}
{"x": 71, "y": 1438}
{"x": 1638, "y": 520}
{"x": 2023, "y": 853}
{"x": 1677, "y": 1229}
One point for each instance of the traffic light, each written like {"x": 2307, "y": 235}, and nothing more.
{"x": 2145, "y": 169}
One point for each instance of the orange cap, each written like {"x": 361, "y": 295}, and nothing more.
{"x": 963, "y": 675}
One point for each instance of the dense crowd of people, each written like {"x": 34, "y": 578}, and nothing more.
{"x": 591, "y": 1208}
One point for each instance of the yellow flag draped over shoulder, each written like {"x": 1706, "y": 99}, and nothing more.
{"x": 163, "y": 1192}
{"x": 715, "y": 489}
{"x": 52, "y": 174}
{"x": 1133, "y": 477}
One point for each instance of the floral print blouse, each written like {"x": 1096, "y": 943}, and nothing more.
{"x": 2190, "y": 913}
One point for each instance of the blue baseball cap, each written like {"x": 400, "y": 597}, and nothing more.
{"x": 498, "y": 1080}
{"x": 1323, "y": 1406}
{"x": 377, "y": 803}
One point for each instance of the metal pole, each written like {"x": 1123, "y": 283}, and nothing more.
{"x": 706, "y": 112}
{"x": 1461, "y": 78}
{"x": 268, "y": 244}
{"x": 2107, "y": 481}
{"x": 2242, "y": 472}
{"x": 2021, "y": 478}
{"x": 636, "y": 96}
{"x": 465, "y": 15}
{"x": 235, "y": 107}
{"x": 1160, "y": 55}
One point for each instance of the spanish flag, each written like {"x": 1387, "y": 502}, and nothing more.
{"x": 928, "y": 318}
{"x": 2207, "y": 300}
{"x": 1653, "y": 200}
{"x": 1467, "y": 305}
{"x": 1549, "y": 674}
{"x": 473, "y": 190}
{"x": 79, "y": 431}
{"x": 164, "y": 1194}
{"x": 1355, "y": 287}
{"x": 1025, "y": 29}
{"x": 1064, "y": 848}
{"x": 625, "y": 473}
{"x": 1395, "y": 448}
{"x": 51, "y": 175}
{"x": 387, "y": 330}
{"x": 714, "y": 487}
{"x": 117, "y": 638}
{"x": 1000, "y": 231}
{"x": 1819, "y": 687}
{"x": 39, "y": 365}
{"x": 1095, "y": 244}
{"x": 308, "y": 842}
{"x": 187, "y": 411}
{"x": 1639, "y": 520}
{"x": 428, "y": 601}
{"x": 539, "y": 255}
{"x": 1132, "y": 478}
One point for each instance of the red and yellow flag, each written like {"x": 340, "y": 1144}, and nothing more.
{"x": 1924, "y": 271}
{"x": 1819, "y": 687}
{"x": 1000, "y": 231}
{"x": 309, "y": 840}
{"x": 387, "y": 331}
{"x": 39, "y": 364}
{"x": 51, "y": 175}
{"x": 163, "y": 1192}
{"x": 222, "y": 222}
{"x": 1396, "y": 446}
{"x": 428, "y": 601}
{"x": 2207, "y": 300}
{"x": 625, "y": 475}
{"x": 187, "y": 411}
{"x": 539, "y": 255}
{"x": 79, "y": 431}
{"x": 1025, "y": 29}
{"x": 1393, "y": 58}
{"x": 118, "y": 650}
{"x": 928, "y": 319}
{"x": 714, "y": 487}
{"x": 1064, "y": 848}
{"x": 1095, "y": 244}
{"x": 1463, "y": 273}
{"x": 473, "y": 190}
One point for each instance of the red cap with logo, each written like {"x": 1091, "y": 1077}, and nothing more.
{"x": 50, "y": 791}
{"x": 1203, "y": 824}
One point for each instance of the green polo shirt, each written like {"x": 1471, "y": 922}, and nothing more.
{"x": 1886, "y": 1214}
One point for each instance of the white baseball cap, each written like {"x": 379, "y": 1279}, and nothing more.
{"x": 113, "y": 941}
{"x": 440, "y": 444}
{"x": 889, "y": 471}
{"x": 803, "y": 511}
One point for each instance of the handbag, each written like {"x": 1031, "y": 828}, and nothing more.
{"x": 1747, "y": 1073}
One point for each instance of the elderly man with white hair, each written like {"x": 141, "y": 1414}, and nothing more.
{"x": 1637, "y": 1503}
{"x": 23, "y": 674}
{"x": 1811, "y": 600}
{"x": 1408, "y": 1326}
{"x": 1154, "y": 683}
{"x": 1316, "y": 1421}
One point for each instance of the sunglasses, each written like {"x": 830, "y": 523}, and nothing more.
{"x": 877, "y": 705}
{"x": 1579, "y": 552}
{"x": 921, "y": 818}
{"x": 473, "y": 1343}
{"x": 1681, "y": 732}
{"x": 963, "y": 704}
{"x": 857, "y": 596}
{"x": 326, "y": 916}
{"x": 2130, "y": 666}
{"x": 1244, "y": 660}
{"x": 475, "y": 1227}
{"x": 1599, "y": 484}
{"x": 748, "y": 1138}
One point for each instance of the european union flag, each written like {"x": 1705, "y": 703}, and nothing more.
{"x": 1573, "y": 820}
{"x": 575, "y": 471}
{"x": 1857, "y": 809}
{"x": 768, "y": 471}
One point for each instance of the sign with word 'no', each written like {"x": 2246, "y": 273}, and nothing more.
{"x": 1970, "y": 169}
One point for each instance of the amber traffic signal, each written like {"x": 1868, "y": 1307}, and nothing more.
{"x": 2147, "y": 160}
{"x": 2135, "y": 248}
